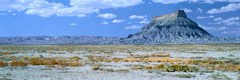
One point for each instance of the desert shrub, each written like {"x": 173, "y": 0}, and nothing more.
{"x": 183, "y": 68}
{"x": 149, "y": 67}
{"x": 163, "y": 59}
{"x": 18, "y": 63}
{"x": 96, "y": 67}
{"x": 116, "y": 59}
{"x": 3, "y": 64}
{"x": 133, "y": 59}
{"x": 122, "y": 70}
{"x": 13, "y": 57}
{"x": 207, "y": 61}
{"x": 160, "y": 55}
{"x": 94, "y": 58}
{"x": 6, "y": 53}
{"x": 75, "y": 58}
{"x": 36, "y": 61}
{"x": 160, "y": 66}
{"x": 151, "y": 55}
{"x": 195, "y": 62}
{"x": 75, "y": 64}
{"x": 230, "y": 65}
{"x": 138, "y": 67}
{"x": 62, "y": 62}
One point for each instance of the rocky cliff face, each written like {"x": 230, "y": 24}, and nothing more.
{"x": 169, "y": 28}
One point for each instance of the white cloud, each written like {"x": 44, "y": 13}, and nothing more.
{"x": 224, "y": 32}
{"x": 205, "y": 27}
{"x": 14, "y": 14}
{"x": 212, "y": 28}
{"x": 232, "y": 32}
{"x": 79, "y": 8}
{"x": 73, "y": 24}
{"x": 199, "y": 10}
{"x": 211, "y": 16}
{"x": 201, "y": 17}
{"x": 229, "y": 22}
{"x": 217, "y": 19}
{"x": 192, "y": 1}
{"x": 228, "y": 8}
{"x": 144, "y": 21}
{"x": 143, "y": 18}
{"x": 137, "y": 16}
{"x": 107, "y": 16}
{"x": 187, "y": 10}
{"x": 222, "y": 28}
{"x": 232, "y": 21}
{"x": 117, "y": 21}
{"x": 102, "y": 4}
{"x": 133, "y": 27}
{"x": 173, "y": 1}
{"x": 104, "y": 22}
{"x": 213, "y": 1}
{"x": 205, "y": 17}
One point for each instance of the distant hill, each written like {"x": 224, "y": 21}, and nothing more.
{"x": 175, "y": 28}
{"x": 64, "y": 40}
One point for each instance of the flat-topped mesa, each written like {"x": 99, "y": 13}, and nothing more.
{"x": 178, "y": 13}
{"x": 170, "y": 28}
{"x": 181, "y": 13}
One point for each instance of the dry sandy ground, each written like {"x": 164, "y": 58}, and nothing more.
{"x": 118, "y": 70}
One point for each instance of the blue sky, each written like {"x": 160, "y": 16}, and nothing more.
{"x": 111, "y": 17}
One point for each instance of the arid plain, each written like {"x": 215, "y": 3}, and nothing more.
{"x": 108, "y": 62}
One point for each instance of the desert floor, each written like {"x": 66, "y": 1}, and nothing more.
{"x": 120, "y": 62}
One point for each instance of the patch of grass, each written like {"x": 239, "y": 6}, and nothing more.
{"x": 93, "y": 58}
{"x": 185, "y": 75}
{"x": 72, "y": 62}
{"x": 19, "y": 63}
{"x": 3, "y": 64}
{"x": 114, "y": 70}
{"x": 75, "y": 58}
{"x": 133, "y": 59}
{"x": 159, "y": 67}
{"x": 211, "y": 64}
{"x": 181, "y": 68}
{"x": 219, "y": 76}
{"x": 6, "y": 53}
{"x": 151, "y": 55}
{"x": 163, "y": 59}
{"x": 75, "y": 64}
{"x": 138, "y": 67}
{"x": 149, "y": 67}
{"x": 116, "y": 60}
